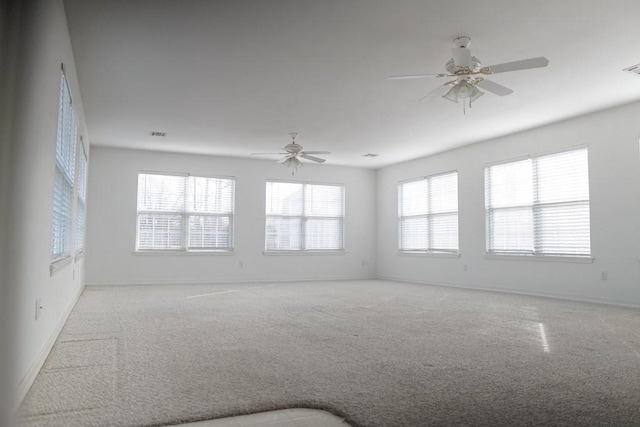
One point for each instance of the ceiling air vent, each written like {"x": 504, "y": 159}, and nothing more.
{"x": 158, "y": 134}
{"x": 370, "y": 155}
{"x": 634, "y": 69}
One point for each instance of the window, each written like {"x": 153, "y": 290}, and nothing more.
{"x": 539, "y": 206}
{"x": 81, "y": 203}
{"x": 185, "y": 213}
{"x": 428, "y": 214}
{"x": 64, "y": 175}
{"x": 304, "y": 217}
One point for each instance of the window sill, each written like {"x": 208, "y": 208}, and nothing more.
{"x": 183, "y": 253}
{"x": 58, "y": 263}
{"x": 305, "y": 253}
{"x": 430, "y": 254}
{"x": 543, "y": 258}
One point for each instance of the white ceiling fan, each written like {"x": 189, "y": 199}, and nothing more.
{"x": 294, "y": 152}
{"x": 468, "y": 74}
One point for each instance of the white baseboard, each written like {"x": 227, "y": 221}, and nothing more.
{"x": 568, "y": 297}
{"x": 28, "y": 379}
{"x": 223, "y": 281}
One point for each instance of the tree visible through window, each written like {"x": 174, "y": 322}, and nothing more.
{"x": 185, "y": 213}
{"x": 304, "y": 217}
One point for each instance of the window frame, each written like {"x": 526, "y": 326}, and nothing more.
{"x": 535, "y": 208}
{"x": 304, "y": 218}
{"x": 428, "y": 215}
{"x": 67, "y": 136}
{"x": 185, "y": 217}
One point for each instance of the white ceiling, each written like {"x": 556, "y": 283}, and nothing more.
{"x": 231, "y": 77}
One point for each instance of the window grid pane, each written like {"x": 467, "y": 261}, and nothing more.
{"x": 209, "y": 232}
{"x": 285, "y": 198}
{"x": 161, "y": 193}
{"x": 62, "y": 197}
{"x": 444, "y": 232}
{"x": 210, "y": 195}
{"x": 512, "y": 230}
{"x": 284, "y": 234}
{"x": 563, "y": 228}
{"x": 413, "y": 198}
{"x": 510, "y": 185}
{"x": 160, "y": 231}
{"x": 323, "y": 234}
{"x": 414, "y": 234}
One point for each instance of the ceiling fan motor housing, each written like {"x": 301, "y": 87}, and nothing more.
{"x": 452, "y": 68}
{"x": 293, "y": 148}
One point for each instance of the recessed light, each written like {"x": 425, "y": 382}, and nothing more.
{"x": 370, "y": 155}
{"x": 158, "y": 134}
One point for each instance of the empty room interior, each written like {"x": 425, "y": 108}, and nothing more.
{"x": 320, "y": 213}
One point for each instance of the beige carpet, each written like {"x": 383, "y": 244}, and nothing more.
{"x": 376, "y": 353}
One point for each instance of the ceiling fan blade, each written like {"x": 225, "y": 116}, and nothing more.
{"x": 494, "y": 88}
{"x": 461, "y": 56}
{"x": 317, "y": 152}
{"x": 523, "y": 64}
{"x": 414, "y": 76}
{"x": 435, "y": 92}
{"x": 313, "y": 159}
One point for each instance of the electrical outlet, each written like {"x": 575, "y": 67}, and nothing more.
{"x": 241, "y": 264}
{"x": 39, "y": 308}
{"x": 365, "y": 263}
{"x": 603, "y": 275}
{"x": 465, "y": 267}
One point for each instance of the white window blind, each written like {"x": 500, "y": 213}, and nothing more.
{"x": 64, "y": 174}
{"x": 303, "y": 216}
{"x": 539, "y": 205}
{"x": 428, "y": 214}
{"x": 81, "y": 203}
{"x": 185, "y": 213}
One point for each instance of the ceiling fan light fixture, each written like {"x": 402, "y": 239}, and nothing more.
{"x": 293, "y": 163}
{"x": 475, "y": 94}
{"x": 461, "y": 91}
{"x": 451, "y": 95}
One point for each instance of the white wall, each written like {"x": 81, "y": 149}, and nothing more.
{"x": 9, "y": 31}
{"x": 43, "y": 45}
{"x": 111, "y": 228}
{"x": 614, "y": 173}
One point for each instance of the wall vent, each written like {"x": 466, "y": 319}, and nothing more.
{"x": 158, "y": 134}
{"x": 370, "y": 155}
{"x": 634, "y": 69}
